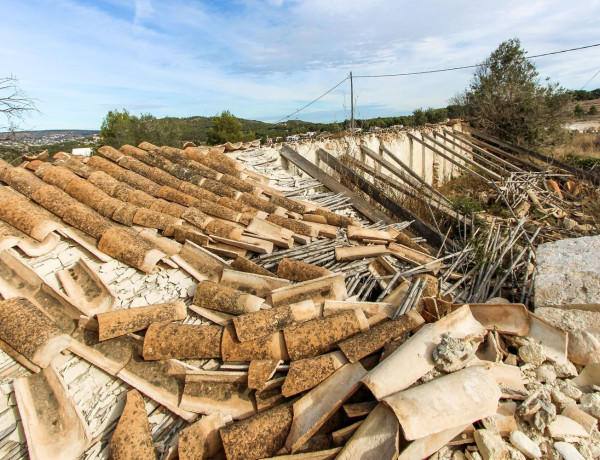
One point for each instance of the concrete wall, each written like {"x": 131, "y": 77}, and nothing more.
{"x": 430, "y": 166}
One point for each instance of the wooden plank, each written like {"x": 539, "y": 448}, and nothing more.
{"x": 595, "y": 178}
{"x": 312, "y": 170}
{"x": 515, "y": 159}
{"x": 464, "y": 138}
{"x": 453, "y": 161}
{"x": 415, "y": 192}
{"x": 431, "y": 235}
{"x": 465, "y": 158}
{"x": 400, "y": 174}
{"x": 409, "y": 170}
{"x": 475, "y": 154}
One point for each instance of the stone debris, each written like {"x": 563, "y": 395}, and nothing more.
{"x": 453, "y": 354}
{"x": 205, "y": 303}
{"x": 525, "y": 445}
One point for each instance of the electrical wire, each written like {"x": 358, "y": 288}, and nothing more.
{"x": 311, "y": 103}
{"x": 470, "y": 66}
{"x": 588, "y": 82}
{"x": 433, "y": 71}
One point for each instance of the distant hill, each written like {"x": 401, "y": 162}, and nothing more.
{"x": 194, "y": 128}
{"x": 62, "y": 134}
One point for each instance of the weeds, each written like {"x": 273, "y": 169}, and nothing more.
{"x": 465, "y": 204}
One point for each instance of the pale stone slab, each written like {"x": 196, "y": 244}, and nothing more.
{"x": 568, "y": 274}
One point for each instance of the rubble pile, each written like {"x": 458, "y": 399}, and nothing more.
{"x": 237, "y": 321}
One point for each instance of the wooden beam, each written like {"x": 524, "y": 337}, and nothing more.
{"x": 415, "y": 182}
{"x": 474, "y": 153}
{"x": 515, "y": 159}
{"x": 442, "y": 205}
{"x": 595, "y": 178}
{"x": 465, "y": 158}
{"x": 453, "y": 161}
{"x": 431, "y": 235}
{"x": 464, "y": 138}
{"x": 314, "y": 171}
{"x": 402, "y": 175}
{"x": 409, "y": 170}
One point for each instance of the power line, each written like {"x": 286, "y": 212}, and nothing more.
{"x": 469, "y": 66}
{"x": 311, "y": 103}
{"x": 588, "y": 82}
{"x": 405, "y": 74}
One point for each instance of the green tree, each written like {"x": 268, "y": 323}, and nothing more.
{"x": 506, "y": 99}
{"x": 578, "y": 112}
{"x": 593, "y": 110}
{"x": 436, "y": 115}
{"x": 455, "y": 111}
{"x": 419, "y": 117}
{"x": 120, "y": 128}
{"x": 227, "y": 128}
{"x": 583, "y": 95}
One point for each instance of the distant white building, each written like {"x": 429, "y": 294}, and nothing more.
{"x": 83, "y": 152}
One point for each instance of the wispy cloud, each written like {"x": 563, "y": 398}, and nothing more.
{"x": 264, "y": 59}
{"x": 143, "y": 10}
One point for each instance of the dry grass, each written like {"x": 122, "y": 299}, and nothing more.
{"x": 580, "y": 149}
{"x": 585, "y": 105}
{"x": 585, "y": 145}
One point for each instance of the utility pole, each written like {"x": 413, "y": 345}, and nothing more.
{"x": 351, "y": 105}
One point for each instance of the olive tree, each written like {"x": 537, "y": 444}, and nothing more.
{"x": 507, "y": 99}
{"x": 121, "y": 127}
{"x": 226, "y": 128}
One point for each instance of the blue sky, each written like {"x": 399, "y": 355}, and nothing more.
{"x": 265, "y": 59}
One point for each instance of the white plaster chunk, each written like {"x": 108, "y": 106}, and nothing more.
{"x": 125, "y": 285}
{"x": 178, "y": 276}
{"x": 154, "y": 297}
{"x": 69, "y": 257}
{"x": 532, "y": 353}
{"x": 74, "y": 372}
{"x": 127, "y": 295}
{"x": 138, "y": 302}
{"x": 126, "y": 274}
{"x": 584, "y": 347}
{"x": 568, "y": 451}
{"x": 49, "y": 267}
{"x": 6, "y": 388}
{"x": 138, "y": 277}
{"x": 162, "y": 281}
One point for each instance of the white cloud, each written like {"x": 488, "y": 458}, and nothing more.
{"x": 143, "y": 10}
{"x": 266, "y": 59}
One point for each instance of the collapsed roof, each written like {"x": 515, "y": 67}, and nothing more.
{"x": 194, "y": 279}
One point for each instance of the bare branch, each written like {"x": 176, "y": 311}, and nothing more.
{"x": 15, "y": 104}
